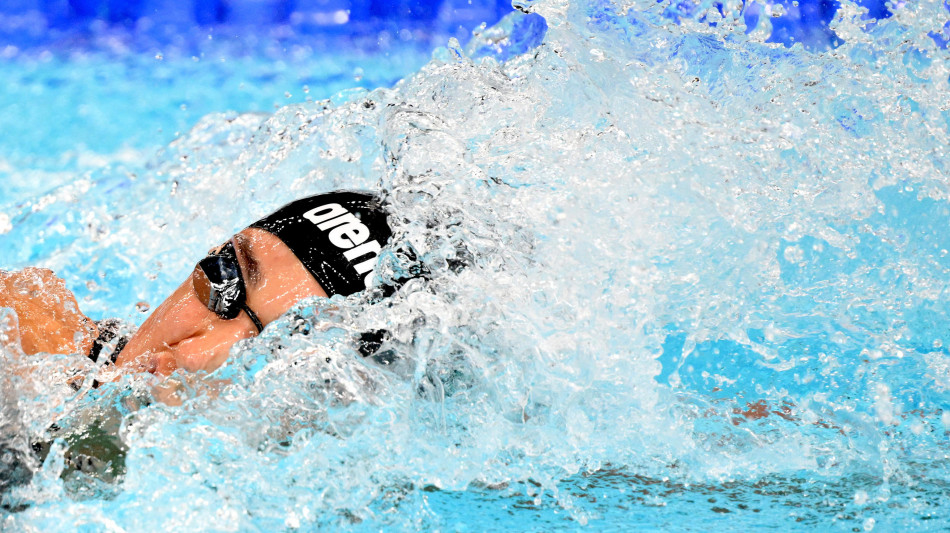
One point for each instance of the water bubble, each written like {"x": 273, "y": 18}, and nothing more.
{"x": 292, "y": 521}
{"x": 860, "y": 497}
{"x": 794, "y": 254}
{"x": 142, "y": 307}
{"x": 884, "y": 406}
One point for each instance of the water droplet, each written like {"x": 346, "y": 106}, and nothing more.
{"x": 794, "y": 254}
{"x": 860, "y": 497}
{"x": 142, "y": 307}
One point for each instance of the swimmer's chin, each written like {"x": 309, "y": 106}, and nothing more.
{"x": 159, "y": 363}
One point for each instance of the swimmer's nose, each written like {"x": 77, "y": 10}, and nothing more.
{"x": 182, "y": 333}
{"x": 181, "y": 317}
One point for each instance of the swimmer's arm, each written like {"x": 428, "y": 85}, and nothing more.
{"x": 48, "y": 319}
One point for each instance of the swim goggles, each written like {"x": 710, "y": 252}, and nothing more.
{"x": 218, "y": 282}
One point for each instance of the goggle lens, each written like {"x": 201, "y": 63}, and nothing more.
{"x": 218, "y": 283}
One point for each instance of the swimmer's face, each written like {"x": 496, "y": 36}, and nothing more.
{"x": 183, "y": 333}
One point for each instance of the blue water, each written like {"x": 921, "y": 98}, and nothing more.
{"x": 706, "y": 281}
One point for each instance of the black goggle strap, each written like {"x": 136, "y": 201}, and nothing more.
{"x": 257, "y": 321}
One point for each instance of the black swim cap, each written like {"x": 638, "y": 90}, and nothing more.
{"x": 337, "y": 236}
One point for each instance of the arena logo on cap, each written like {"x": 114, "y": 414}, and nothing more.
{"x": 349, "y": 234}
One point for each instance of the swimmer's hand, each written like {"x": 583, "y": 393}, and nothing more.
{"x": 49, "y": 317}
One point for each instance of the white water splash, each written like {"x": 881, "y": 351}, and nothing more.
{"x": 661, "y": 226}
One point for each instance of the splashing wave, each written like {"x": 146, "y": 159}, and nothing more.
{"x": 690, "y": 256}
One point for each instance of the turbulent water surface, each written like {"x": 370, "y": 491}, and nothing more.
{"x": 682, "y": 277}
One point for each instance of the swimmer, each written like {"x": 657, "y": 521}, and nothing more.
{"x": 322, "y": 245}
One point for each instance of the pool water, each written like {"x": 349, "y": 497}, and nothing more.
{"x": 704, "y": 280}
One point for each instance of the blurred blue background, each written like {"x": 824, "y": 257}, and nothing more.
{"x": 28, "y": 22}
{"x": 86, "y": 81}
{"x": 24, "y": 23}
{"x": 251, "y": 11}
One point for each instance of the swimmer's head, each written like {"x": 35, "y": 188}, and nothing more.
{"x": 322, "y": 245}
{"x": 337, "y": 237}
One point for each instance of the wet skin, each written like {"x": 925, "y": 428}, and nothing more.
{"x": 48, "y": 317}
{"x": 184, "y": 334}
